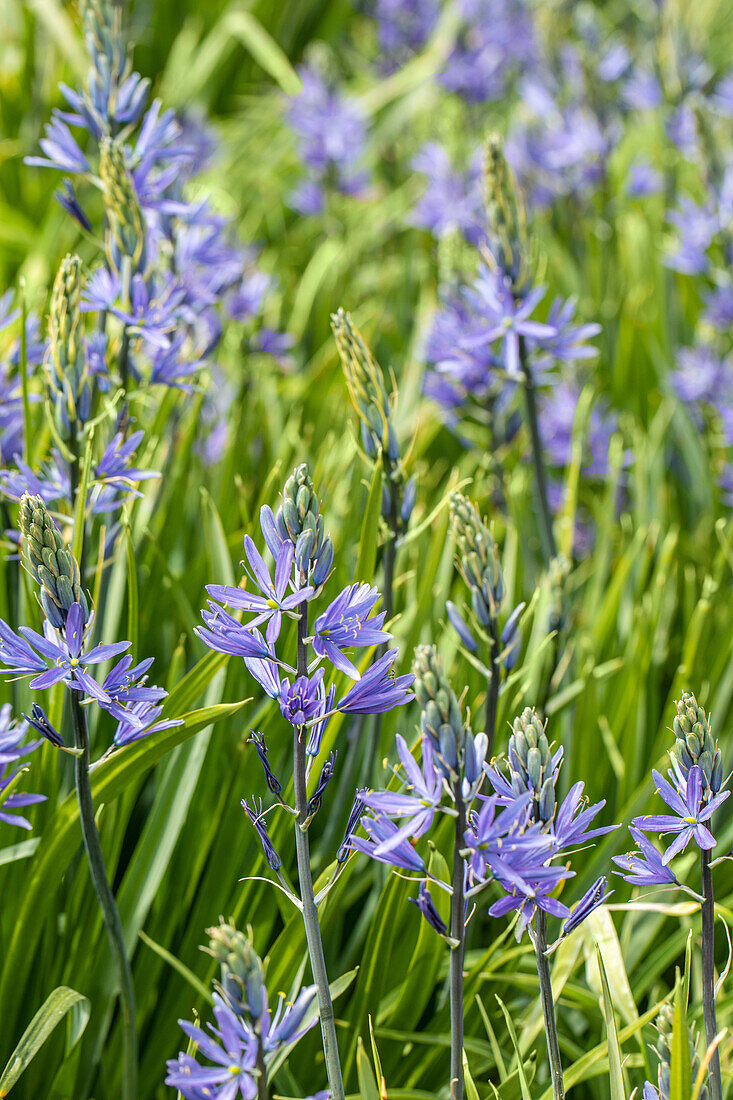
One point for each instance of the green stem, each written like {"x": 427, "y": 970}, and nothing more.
{"x": 708, "y": 973}
{"x": 458, "y": 933}
{"x": 124, "y": 363}
{"x": 310, "y": 910}
{"x": 548, "y": 1006}
{"x": 547, "y": 536}
{"x": 106, "y": 899}
{"x": 262, "y": 1090}
{"x": 389, "y": 556}
{"x": 492, "y": 690}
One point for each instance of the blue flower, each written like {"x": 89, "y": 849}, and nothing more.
{"x": 346, "y": 622}
{"x": 273, "y": 601}
{"x": 66, "y": 656}
{"x": 272, "y": 781}
{"x": 452, "y": 199}
{"x": 61, "y": 149}
{"x": 377, "y": 691}
{"x": 508, "y": 319}
{"x": 331, "y": 133}
{"x": 226, "y": 634}
{"x": 139, "y": 720}
{"x": 595, "y": 896}
{"x": 424, "y": 791}
{"x": 38, "y": 719}
{"x": 690, "y": 813}
{"x": 572, "y": 821}
{"x": 12, "y": 733}
{"x": 426, "y": 905}
{"x": 303, "y": 700}
{"x": 352, "y": 825}
{"x": 233, "y": 1050}
{"x": 380, "y": 831}
{"x": 286, "y": 1027}
{"x": 258, "y": 820}
{"x": 644, "y": 867}
{"x": 116, "y": 476}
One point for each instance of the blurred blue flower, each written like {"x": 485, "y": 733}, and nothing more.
{"x": 331, "y": 133}
{"x": 452, "y": 199}
{"x": 380, "y": 831}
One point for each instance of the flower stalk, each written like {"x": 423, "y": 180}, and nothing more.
{"x": 708, "y": 973}
{"x": 458, "y": 934}
{"x": 305, "y": 879}
{"x": 547, "y": 536}
{"x": 548, "y": 1006}
{"x": 106, "y": 899}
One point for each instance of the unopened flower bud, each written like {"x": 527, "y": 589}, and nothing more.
{"x": 505, "y": 215}
{"x": 49, "y": 562}
{"x": 126, "y": 232}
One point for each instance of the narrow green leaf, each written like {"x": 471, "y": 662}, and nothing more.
{"x": 264, "y": 49}
{"x": 680, "y": 1076}
{"x": 49, "y": 1015}
{"x": 179, "y": 967}
{"x": 367, "y": 1085}
{"x": 524, "y": 1084}
{"x": 615, "y": 1073}
{"x": 470, "y": 1086}
{"x": 81, "y": 500}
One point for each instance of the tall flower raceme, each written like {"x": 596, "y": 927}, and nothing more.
{"x": 446, "y": 782}
{"x": 692, "y": 792}
{"x": 375, "y": 407}
{"x": 330, "y": 129}
{"x": 63, "y": 654}
{"x": 486, "y": 343}
{"x": 532, "y": 862}
{"x": 303, "y": 556}
{"x": 171, "y": 268}
{"x": 477, "y": 561}
{"x": 247, "y": 1035}
{"x": 76, "y": 386}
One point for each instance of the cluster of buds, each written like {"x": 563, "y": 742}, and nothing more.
{"x": 299, "y": 519}
{"x": 695, "y": 744}
{"x": 459, "y": 753}
{"x": 664, "y": 1024}
{"x": 506, "y": 218}
{"x": 477, "y": 561}
{"x": 374, "y": 405}
{"x": 533, "y": 766}
{"x": 242, "y": 973}
{"x": 49, "y": 562}
{"x": 66, "y": 365}
{"x": 126, "y": 239}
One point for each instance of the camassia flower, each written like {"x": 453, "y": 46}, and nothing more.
{"x": 346, "y": 622}
{"x": 691, "y": 812}
{"x": 419, "y": 802}
{"x": 274, "y": 598}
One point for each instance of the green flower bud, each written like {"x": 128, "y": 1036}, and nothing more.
{"x": 695, "y": 743}
{"x": 51, "y": 565}
{"x": 441, "y": 711}
{"x": 300, "y": 518}
{"x": 242, "y": 975}
{"x": 477, "y": 559}
{"x": 66, "y": 366}
{"x": 505, "y": 214}
{"x": 126, "y": 233}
